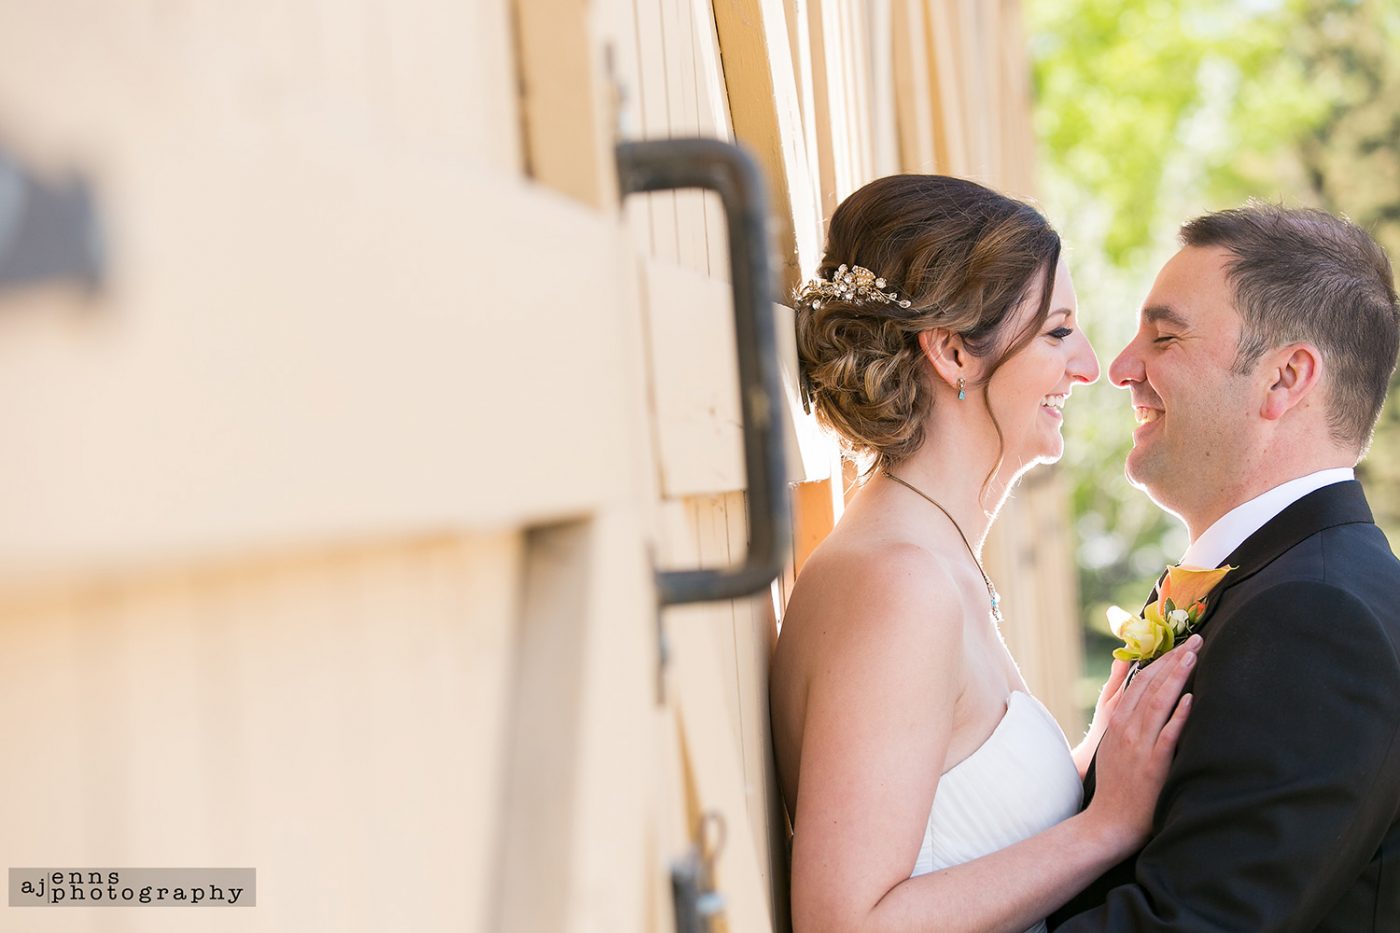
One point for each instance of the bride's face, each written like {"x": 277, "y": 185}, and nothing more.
{"x": 1029, "y": 390}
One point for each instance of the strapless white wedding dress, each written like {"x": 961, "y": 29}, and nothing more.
{"x": 1019, "y": 782}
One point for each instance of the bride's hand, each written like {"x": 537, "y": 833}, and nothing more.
{"x": 1142, "y": 729}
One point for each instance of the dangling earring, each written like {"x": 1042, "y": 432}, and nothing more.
{"x": 962, "y": 390}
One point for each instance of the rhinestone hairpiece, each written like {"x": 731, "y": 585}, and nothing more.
{"x": 856, "y": 284}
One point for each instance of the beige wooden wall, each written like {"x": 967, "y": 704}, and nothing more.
{"x": 304, "y": 566}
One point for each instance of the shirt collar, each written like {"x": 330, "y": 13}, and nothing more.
{"x": 1231, "y": 529}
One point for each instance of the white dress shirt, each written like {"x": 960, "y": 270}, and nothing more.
{"x": 1230, "y": 530}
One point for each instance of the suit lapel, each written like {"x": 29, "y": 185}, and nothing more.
{"x": 1338, "y": 504}
{"x": 1152, "y": 597}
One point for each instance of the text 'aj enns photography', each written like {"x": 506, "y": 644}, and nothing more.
{"x": 130, "y": 887}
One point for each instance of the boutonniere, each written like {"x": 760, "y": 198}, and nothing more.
{"x": 1181, "y": 601}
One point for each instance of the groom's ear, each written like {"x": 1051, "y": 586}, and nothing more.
{"x": 945, "y": 352}
{"x": 1292, "y": 373}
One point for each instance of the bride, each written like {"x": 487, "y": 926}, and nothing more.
{"x": 928, "y": 788}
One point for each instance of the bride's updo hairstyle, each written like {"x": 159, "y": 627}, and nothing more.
{"x": 964, "y": 258}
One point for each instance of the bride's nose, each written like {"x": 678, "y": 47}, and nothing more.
{"x": 1084, "y": 364}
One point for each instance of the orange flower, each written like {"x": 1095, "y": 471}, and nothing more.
{"x": 1181, "y": 601}
{"x": 1187, "y": 585}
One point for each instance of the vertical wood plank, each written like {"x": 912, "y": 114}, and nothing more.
{"x": 695, "y": 386}
{"x": 709, "y": 68}
{"x": 799, "y": 32}
{"x": 947, "y": 90}
{"x": 574, "y": 833}
{"x": 672, "y": 836}
{"x": 656, "y": 119}
{"x": 567, "y": 106}
{"x": 634, "y": 91}
{"x": 718, "y": 777}
{"x": 879, "y": 47}
{"x": 845, "y": 144}
{"x": 766, "y": 117}
{"x": 1017, "y": 131}
{"x": 990, "y": 39}
{"x": 755, "y": 634}
{"x": 914, "y": 107}
{"x": 539, "y": 821}
{"x": 620, "y": 668}
{"x": 825, "y": 121}
{"x": 712, "y": 523}
{"x": 678, "y": 26}
{"x": 702, "y": 688}
{"x": 860, "y": 106}
{"x": 976, "y": 93}
{"x": 714, "y": 122}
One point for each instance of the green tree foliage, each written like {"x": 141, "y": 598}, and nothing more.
{"x": 1148, "y": 112}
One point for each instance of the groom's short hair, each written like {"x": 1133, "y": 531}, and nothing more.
{"x": 1305, "y": 275}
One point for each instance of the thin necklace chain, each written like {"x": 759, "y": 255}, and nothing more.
{"x": 991, "y": 590}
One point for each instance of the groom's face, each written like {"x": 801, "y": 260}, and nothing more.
{"x": 1194, "y": 433}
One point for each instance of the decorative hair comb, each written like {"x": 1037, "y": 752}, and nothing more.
{"x": 857, "y": 284}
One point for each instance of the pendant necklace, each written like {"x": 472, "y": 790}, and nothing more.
{"x": 991, "y": 590}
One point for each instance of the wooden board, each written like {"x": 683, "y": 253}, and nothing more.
{"x": 577, "y": 819}
{"x": 568, "y": 100}
{"x": 356, "y": 386}
{"x": 328, "y": 719}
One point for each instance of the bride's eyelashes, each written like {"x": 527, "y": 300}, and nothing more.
{"x": 1060, "y": 333}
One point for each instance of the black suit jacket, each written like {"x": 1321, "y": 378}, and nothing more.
{"x": 1280, "y": 808}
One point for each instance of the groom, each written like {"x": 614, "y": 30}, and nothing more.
{"x": 1259, "y": 368}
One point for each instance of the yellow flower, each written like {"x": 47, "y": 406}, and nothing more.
{"x": 1181, "y": 601}
{"x": 1144, "y": 637}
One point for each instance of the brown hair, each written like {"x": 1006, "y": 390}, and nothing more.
{"x": 1305, "y": 275}
{"x": 963, "y": 255}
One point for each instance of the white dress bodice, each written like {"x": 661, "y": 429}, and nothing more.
{"x": 1019, "y": 782}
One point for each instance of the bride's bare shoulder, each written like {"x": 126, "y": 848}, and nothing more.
{"x": 874, "y": 584}
{"x": 874, "y": 628}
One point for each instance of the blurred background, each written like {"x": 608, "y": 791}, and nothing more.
{"x": 1148, "y": 112}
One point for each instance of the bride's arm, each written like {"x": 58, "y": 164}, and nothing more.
{"x": 1108, "y": 700}
{"x": 879, "y": 718}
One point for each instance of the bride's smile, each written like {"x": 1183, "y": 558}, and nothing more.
{"x": 1029, "y": 391}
